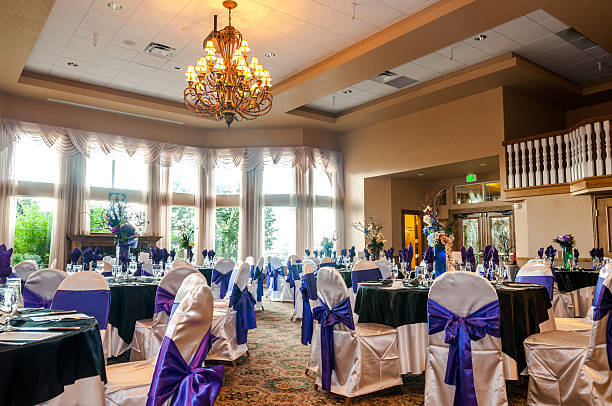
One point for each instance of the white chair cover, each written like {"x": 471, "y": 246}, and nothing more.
{"x": 316, "y": 260}
{"x": 366, "y": 359}
{"x": 25, "y": 269}
{"x": 226, "y": 348}
{"x": 148, "y": 334}
{"x": 539, "y": 272}
{"x": 224, "y": 266}
{"x": 282, "y": 292}
{"x": 573, "y": 368}
{"x": 250, "y": 260}
{"x": 40, "y": 287}
{"x": 386, "y": 268}
{"x": 181, "y": 263}
{"x": 464, "y": 293}
{"x": 129, "y": 383}
{"x": 256, "y": 284}
{"x": 327, "y": 261}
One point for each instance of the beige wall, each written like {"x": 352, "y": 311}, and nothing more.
{"x": 525, "y": 116}
{"x": 583, "y": 113}
{"x": 461, "y": 130}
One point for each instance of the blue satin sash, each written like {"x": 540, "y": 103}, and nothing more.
{"x": 94, "y": 303}
{"x": 222, "y": 280}
{"x": 458, "y": 333}
{"x": 341, "y": 313}
{"x": 364, "y": 275}
{"x": 258, "y": 276}
{"x": 308, "y": 288}
{"x": 542, "y": 280}
{"x": 32, "y": 300}
{"x": 273, "y": 274}
{"x": 602, "y": 307}
{"x": 187, "y": 385}
{"x": 243, "y": 303}
{"x": 163, "y": 301}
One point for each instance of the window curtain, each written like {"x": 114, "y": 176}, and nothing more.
{"x": 337, "y": 178}
{"x": 71, "y": 215}
{"x": 8, "y": 189}
{"x": 304, "y": 238}
{"x": 206, "y": 203}
{"x": 165, "y": 209}
{"x": 251, "y": 212}
{"x": 153, "y": 200}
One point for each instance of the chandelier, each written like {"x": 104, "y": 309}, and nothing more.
{"x": 221, "y": 85}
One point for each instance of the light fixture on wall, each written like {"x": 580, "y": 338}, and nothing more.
{"x": 480, "y": 37}
{"x": 221, "y": 85}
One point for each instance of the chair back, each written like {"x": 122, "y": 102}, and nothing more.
{"x": 275, "y": 263}
{"x": 293, "y": 259}
{"x": 603, "y": 274}
{"x": 164, "y": 297}
{"x": 386, "y": 268}
{"x": 364, "y": 271}
{"x": 313, "y": 259}
{"x": 250, "y": 260}
{"x": 221, "y": 276}
{"x": 190, "y": 282}
{"x": 243, "y": 303}
{"x": 86, "y": 292}
{"x": 40, "y": 287}
{"x": 181, "y": 263}
{"x": 184, "y": 347}
{"x": 327, "y": 261}
{"x": 599, "y": 355}
{"x": 331, "y": 288}
{"x": 25, "y": 269}
{"x": 538, "y": 273}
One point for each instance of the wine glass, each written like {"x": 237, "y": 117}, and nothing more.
{"x": 8, "y": 304}
{"x": 77, "y": 268}
{"x": 132, "y": 268}
{"x": 499, "y": 272}
{"x": 157, "y": 270}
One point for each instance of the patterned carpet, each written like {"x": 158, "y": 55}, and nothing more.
{"x": 274, "y": 372}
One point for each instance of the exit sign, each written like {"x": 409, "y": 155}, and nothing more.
{"x": 470, "y": 177}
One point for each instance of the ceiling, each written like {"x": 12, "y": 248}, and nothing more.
{"x": 537, "y": 36}
{"x": 452, "y": 170}
{"x": 320, "y": 50}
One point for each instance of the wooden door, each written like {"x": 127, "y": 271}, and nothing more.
{"x": 604, "y": 225}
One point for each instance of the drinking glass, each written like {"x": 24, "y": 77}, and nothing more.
{"x": 77, "y": 268}
{"x": 132, "y": 268}
{"x": 499, "y": 272}
{"x": 8, "y": 303}
{"x": 69, "y": 269}
{"x": 157, "y": 270}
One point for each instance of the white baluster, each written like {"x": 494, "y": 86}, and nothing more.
{"x": 590, "y": 168}
{"x": 606, "y": 127}
{"x": 583, "y": 156}
{"x": 598, "y": 161}
{"x": 568, "y": 159}
{"x": 560, "y": 170}
{"x": 538, "y": 174}
{"x": 517, "y": 174}
{"x": 553, "y": 170}
{"x": 575, "y": 154}
{"x": 524, "y": 166}
{"x": 510, "y": 167}
{"x": 530, "y": 154}
{"x": 545, "y": 173}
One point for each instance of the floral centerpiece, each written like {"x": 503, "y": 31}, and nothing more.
{"x": 185, "y": 241}
{"x": 567, "y": 243}
{"x": 439, "y": 236}
{"x": 124, "y": 232}
{"x": 373, "y": 233}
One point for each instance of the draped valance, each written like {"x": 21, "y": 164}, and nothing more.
{"x": 70, "y": 141}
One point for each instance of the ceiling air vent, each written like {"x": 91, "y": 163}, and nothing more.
{"x": 160, "y": 50}
{"x": 576, "y": 39}
{"x": 393, "y": 79}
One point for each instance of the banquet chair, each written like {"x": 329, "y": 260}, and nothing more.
{"x": 25, "y": 269}
{"x": 327, "y": 261}
{"x": 221, "y": 275}
{"x": 250, "y": 260}
{"x": 361, "y": 255}
{"x": 349, "y": 359}
{"x": 316, "y": 260}
{"x": 293, "y": 281}
{"x": 178, "y": 263}
{"x": 40, "y": 287}
{"x": 149, "y": 333}
{"x": 256, "y": 283}
{"x": 231, "y": 324}
{"x": 539, "y": 273}
{"x": 363, "y": 271}
{"x": 573, "y": 367}
{"x": 464, "y": 354}
{"x": 108, "y": 268}
{"x": 276, "y": 281}
{"x": 386, "y": 268}
{"x": 184, "y": 347}
{"x": 309, "y": 299}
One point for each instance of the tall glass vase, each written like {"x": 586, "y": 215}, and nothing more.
{"x": 568, "y": 258}
{"x": 440, "y": 259}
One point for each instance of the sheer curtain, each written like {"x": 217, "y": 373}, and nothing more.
{"x": 304, "y": 238}
{"x": 8, "y": 190}
{"x": 71, "y": 214}
{"x": 251, "y": 213}
{"x": 165, "y": 209}
{"x": 206, "y": 203}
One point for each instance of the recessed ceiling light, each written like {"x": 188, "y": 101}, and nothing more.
{"x": 483, "y": 164}
{"x": 347, "y": 91}
{"x": 129, "y": 42}
{"x": 480, "y": 37}
{"x": 420, "y": 174}
{"x": 177, "y": 67}
{"x": 114, "y": 5}
{"x": 270, "y": 55}
{"x": 73, "y": 64}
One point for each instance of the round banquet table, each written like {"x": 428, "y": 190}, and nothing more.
{"x": 130, "y": 301}
{"x": 207, "y": 272}
{"x": 568, "y": 281}
{"x": 523, "y": 307}
{"x": 37, "y": 371}
{"x": 346, "y": 275}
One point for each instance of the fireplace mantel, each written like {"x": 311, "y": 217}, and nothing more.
{"x": 105, "y": 240}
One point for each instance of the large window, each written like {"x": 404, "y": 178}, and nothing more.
{"x": 98, "y": 209}
{"x": 33, "y": 229}
{"x": 226, "y": 232}
{"x": 228, "y": 180}
{"x": 116, "y": 171}
{"x": 36, "y": 162}
{"x": 182, "y": 220}
{"x": 184, "y": 177}
{"x": 279, "y": 211}
{"x": 324, "y": 221}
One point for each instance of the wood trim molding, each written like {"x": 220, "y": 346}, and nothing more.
{"x": 591, "y": 184}
{"x": 587, "y": 185}
{"x": 558, "y": 188}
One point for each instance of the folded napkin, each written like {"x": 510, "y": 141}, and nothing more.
{"x": 352, "y": 252}
{"x": 495, "y": 256}
{"x": 307, "y": 252}
{"x": 157, "y": 255}
{"x": 211, "y": 254}
{"x": 75, "y": 255}
{"x": 600, "y": 253}
{"x": 204, "y": 253}
{"x": 486, "y": 256}
{"x": 576, "y": 254}
{"x": 172, "y": 255}
{"x": 343, "y": 252}
{"x": 5, "y": 263}
{"x": 593, "y": 253}
{"x": 367, "y": 253}
{"x": 550, "y": 253}
{"x": 471, "y": 258}
{"x": 88, "y": 256}
{"x": 165, "y": 255}
{"x": 463, "y": 256}
{"x": 428, "y": 257}
{"x": 541, "y": 253}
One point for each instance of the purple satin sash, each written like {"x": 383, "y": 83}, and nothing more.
{"x": 258, "y": 275}
{"x": 598, "y": 288}
{"x": 107, "y": 274}
{"x": 341, "y": 313}
{"x": 542, "y": 280}
{"x": 601, "y": 307}
{"x": 31, "y": 299}
{"x": 94, "y": 303}
{"x": 222, "y": 280}
{"x": 308, "y": 288}
{"x": 329, "y": 264}
{"x": 163, "y": 301}
{"x": 458, "y": 333}
{"x": 364, "y": 275}
{"x": 188, "y": 385}
{"x": 273, "y": 274}
{"x": 243, "y": 303}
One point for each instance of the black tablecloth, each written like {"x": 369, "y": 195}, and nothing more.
{"x": 130, "y": 302}
{"x": 38, "y": 371}
{"x": 207, "y": 272}
{"x": 346, "y": 275}
{"x": 523, "y": 307}
{"x": 568, "y": 281}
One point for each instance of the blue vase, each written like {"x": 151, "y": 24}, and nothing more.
{"x": 440, "y": 260}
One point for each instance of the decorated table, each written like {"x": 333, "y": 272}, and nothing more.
{"x": 346, "y": 275}
{"x": 523, "y": 307}
{"x": 130, "y": 301}
{"x": 207, "y": 272}
{"x": 568, "y": 281}
{"x": 37, "y": 365}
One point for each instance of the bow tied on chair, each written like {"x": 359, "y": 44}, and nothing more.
{"x": 189, "y": 385}
{"x": 221, "y": 279}
{"x": 258, "y": 276}
{"x": 308, "y": 288}
{"x": 602, "y": 307}
{"x": 163, "y": 301}
{"x": 328, "y": 318}
{"x": 458, "y": 333}
{"x": 33, "y": 300}
{"x": 243, "y": 303}
{"x": 273, "y": 273}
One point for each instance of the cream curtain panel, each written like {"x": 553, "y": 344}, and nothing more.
{"x": 160, "y": 156}
{"x": 7, "y": 196}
